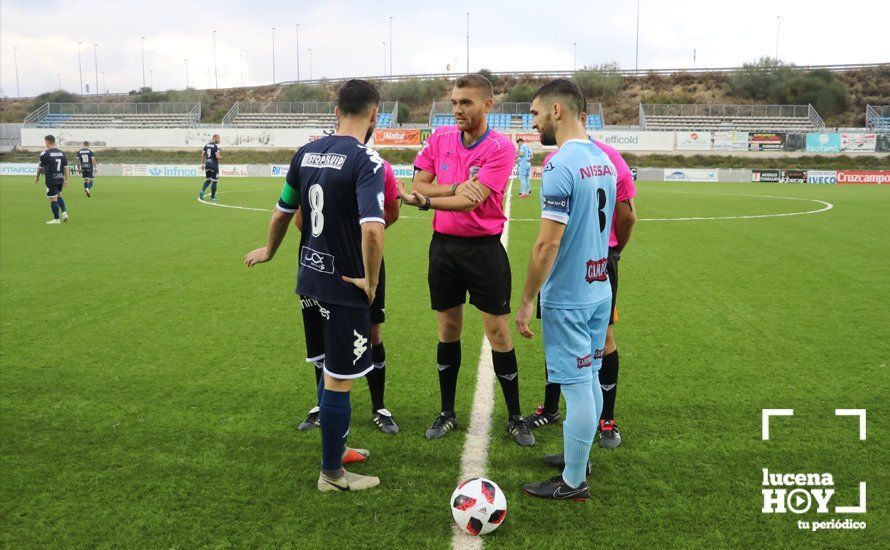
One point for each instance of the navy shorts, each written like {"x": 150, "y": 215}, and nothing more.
{"x": 338, "y": 335}
{"x": 211, "y": 173}
{"x": 86, "y": 173}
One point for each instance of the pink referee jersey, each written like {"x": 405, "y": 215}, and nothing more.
{"x": 626, "y": 188}
{"x": 491, "y": 159}
{"x": 390, "y": 183}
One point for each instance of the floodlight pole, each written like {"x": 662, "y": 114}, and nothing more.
{"x": 241, "y": 68}
{"x": 575, "y": 61}
{"x": 96, "y": 65}
{"x": 186, "y": 74}
{"x": 310, "y": 63}
{"x": 273, "y": 55}
{"x": 104, "y": 86}
{"x": 298, "y": 53}
{"x": 468, "y": 42}
{"x": 390, "y": 46}
{"x": 384, "y": 58}
{"x": 143, "y": 60}
{"x": 637, "y": 54}
{"x": 778, "y": 25}
{"x": 80, "y": 67}
{"x": 15, "y": 55}
{"x": 215, "y": 67}
{"x": 60, "y": 80}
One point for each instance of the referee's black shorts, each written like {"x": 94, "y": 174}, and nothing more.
{"x": 478, "y": 265}
{"x": 612, "y": 271}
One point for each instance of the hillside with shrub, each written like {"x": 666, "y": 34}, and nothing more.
{"x": 840, "y": 97}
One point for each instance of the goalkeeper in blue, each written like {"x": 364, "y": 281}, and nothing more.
{"x": 524, "y": 168}
{"x": 568, "y": 267}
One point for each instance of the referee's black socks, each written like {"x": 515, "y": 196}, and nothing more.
{"x": 508, "y": 375}
{"x": 377, "y": 377}
{"x": 448, "y": 359}
{"x": 609, "y": 384}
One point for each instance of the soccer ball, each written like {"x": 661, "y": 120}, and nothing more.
{"x": 478, "y": 506}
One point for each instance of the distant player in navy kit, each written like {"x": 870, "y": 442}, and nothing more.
{"x": 210, "y": 164}
{"x": 54, "y": 164}
{"x": 337, "y": 182}
{"x": 87, "y": 160}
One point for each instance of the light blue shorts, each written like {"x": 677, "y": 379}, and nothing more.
{"x": 525, "y": 170}
{"x": 573, "y": 342}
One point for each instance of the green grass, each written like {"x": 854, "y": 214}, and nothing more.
{"x": 151, "y": 384}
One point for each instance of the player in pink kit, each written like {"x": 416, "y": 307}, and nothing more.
{"x": 462, "y": 174}
{"x": 376, "y": 377}
{"x": 622, "y": 225}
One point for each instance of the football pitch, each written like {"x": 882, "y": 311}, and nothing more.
{"x": 151, "y": 384}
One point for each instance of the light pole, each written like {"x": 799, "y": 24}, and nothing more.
{"x": 215, "y": 70}
{"x": 575, "y": 56}
{"x": 241, "y": 68}
{"x": 468, "y": 42}
{"x": 96, "y": 65}
{"x": 151, "y": 79}
{"x": 143, "y": 60}
{"x": 384, "y": 58}
{"x": 60, "y": 80}
{"x": 273, "y": 55}
{"x": 778, "y": 25}
{"x": 637, "y": 54}
{"x": 15, "y": 56}
{"x": 80, "y": 67}
{"x": 298, "y": 52}
{"x": 186, "y": 74}
{"x": 390, "y": 45}
{"x": 310, "y": 63}
{"x": 104, "y": 86}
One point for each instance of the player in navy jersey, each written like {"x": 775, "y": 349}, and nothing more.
{"x": 568, "y": 267}
{"x": 210, "y": 165}
{"x": 87, "y": 160}
{"x": 338, "y": 184}
{"x": 54, "y": 164}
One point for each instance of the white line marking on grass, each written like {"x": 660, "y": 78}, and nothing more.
{"x": 475, "y": 454}
{"x": 826, "y": 206}
{"x": 221, "y": 205}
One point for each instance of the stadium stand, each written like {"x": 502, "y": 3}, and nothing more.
{"x": 773, "y": 118}
{"x": 877, "y": 117}
{"x": 309, "y": 114}
{"x": 509, "y": 116}
{"x": 115, "y": 115}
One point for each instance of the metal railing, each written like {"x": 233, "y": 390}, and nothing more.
{"x": 325, "y": 108}
{"x": 727, "y": 111}
{"x": 814, "y": 117}
{"x": 877, "y": 117}
{"x": 189, "y": 112}
{"x": 35, "y": 115}
{"x": 569, "y": 74}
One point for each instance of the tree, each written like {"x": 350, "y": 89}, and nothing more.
{"x": 820, "y": 88}
{"x": 599, "y": 82}
{"x": 762, "y": 79}
{"x": 521, "y": 93}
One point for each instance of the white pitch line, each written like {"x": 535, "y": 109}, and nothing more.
{"x": 474, "y": 457}
{"x": 826, "y": 206}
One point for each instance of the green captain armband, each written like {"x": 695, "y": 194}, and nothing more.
{"x": 290, "y": 197}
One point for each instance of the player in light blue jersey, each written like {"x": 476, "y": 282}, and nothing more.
{"x": 524, "y": 166}
{"x": 568, "y": 267}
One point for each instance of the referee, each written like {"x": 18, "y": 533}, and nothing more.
{"x": 462, "y": 174}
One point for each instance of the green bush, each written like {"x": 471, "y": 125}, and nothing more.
{"x": 762, "y": 79}
{"x": 58, "y": 96}
{"x": 521, "y": 93}
{"x": 820, "y": 88}
{"x": 661, "y": 97}
{"x": 303, "y": 92}
{"x": 598, "y": 83}
{"x": 495, "y": 80}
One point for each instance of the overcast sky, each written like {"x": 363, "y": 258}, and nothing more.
{"x": 347, "y": 40}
